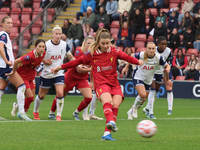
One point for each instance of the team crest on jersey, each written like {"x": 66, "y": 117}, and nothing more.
{"x": 26, "y": 58}
{"x": 148, "y": 67}
{"x": 3, "y": 37}
{"x": 111, "y": 59}
{"x": 77, "y": 52}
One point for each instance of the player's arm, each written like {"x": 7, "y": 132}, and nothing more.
{"x": 70, "y": 57}
{"x": 125, "y": 69}
{"x": 15, "y": 66}
{"x": 91, "y": 81}
{"x": 83, "y": 69}
{"x": 2, "y": 53}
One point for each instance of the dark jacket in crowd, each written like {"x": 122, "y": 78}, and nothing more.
{"x": 75, "y": 32}
{"x": 187, "y": 38}
{"x": 152, "y": 21}
{"x": 197, "y": 32}
{"x": 129, "y": 37}
{"x": 123, "y": 19}
{"x": 138, "y": 21}
{"x": 192, "y": 74}
{"x": 160, "y": 32}
{"x": 65, "y": 30}
{"x": 98, "y": 7}
{"x": 174, "y": 38}
{"x": 172, "y": 23}
{"x": 188, "y": 23}
{"x": 136, "y": 5}
{"x": 196, "y": 7}
{"x": 102, "y": 18}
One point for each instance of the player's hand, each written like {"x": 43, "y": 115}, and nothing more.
{"x": 47, "y": 61}
{"x": 10, "y": 74}
{"x": 9, "y": 63}
{"x": 56, "y": 69}
{"x": 169, "y": 83}
{"x": 140, "y": 62}
{"x": 167, "y": 70}
{"x": 125, "y": 70}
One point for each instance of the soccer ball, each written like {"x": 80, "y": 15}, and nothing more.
{"x": 146, "y": 128}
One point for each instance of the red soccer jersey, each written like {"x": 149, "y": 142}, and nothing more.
{"x": 29, "y": 63}
{"x": 72, "y": 73}
{"x": 105, "y": 65}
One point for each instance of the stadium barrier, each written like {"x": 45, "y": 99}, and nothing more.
{"x": 181, "y": 89}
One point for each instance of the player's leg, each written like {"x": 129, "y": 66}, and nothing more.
{"x": 87, "y": 94}
{"x": 170, "y": 96}
{"x": 29, "y": 98}
{"x": 18, "y": 82}
{"x": 93, "y": 106}
{"x": 3, "y": 85}
{"x": 60, "y": 100}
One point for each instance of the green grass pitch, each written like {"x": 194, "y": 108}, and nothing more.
{"x": 181, "y": 131}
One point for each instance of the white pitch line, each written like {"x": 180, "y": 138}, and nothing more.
{"x": 194, "y": 118}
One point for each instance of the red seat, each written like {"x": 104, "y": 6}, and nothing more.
{"x": 140, "y": 40}
{"x": 36, "y": 0}
{"x": 165, "y": 9}
{"x": 15, "y": 28}
{"x": 51, "y": 13}
{"x": 36, "y": 4}
{"x": 24, "y": 24}
{"x": 114, "y": 30}
{"x": 175, "y": 1}
{"x": 175, "y": 51}
{"x": 115, "y": 24}
{"x": 173, "y": 5}
{"x": 2, "y": 15}
{"x": 141, "y": 49}
{"x": 180, "y": 78}
{"x": 154, "y": 11}
{"x": 192, "y": 51}
{"x": 37, "y": 26}
{"x": 26, "y": 12}
{"x": 15, "y": 12}
{"x": 13, "y": 4}
{"x": 13, "y": 35}
{"x": 5, "y": 10}
{"x": 26, "y": 39}
{"x": 150, "y": 39}
{"x": 36, "y": 12}
{"x": 115, "y": 37}
{"x": 120, "y": 48}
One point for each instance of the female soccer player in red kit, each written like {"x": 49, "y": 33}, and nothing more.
{"x": 27, "y": 71}
{"x": 103, "y": 60}
{"x": 77, "y": 76}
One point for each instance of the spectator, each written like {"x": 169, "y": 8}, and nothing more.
{"x": 136, "y": 5}
{"x": 196, "y": 43}
{"x": 66, "y": 26}
{"x": 75, "y": 33}
{"x": 2, "y": 2}
{"x": 101, "y": 26}
{"x": 101, "y": 18}
{"x": 84, "y": 6}
{"x": 145, "y": 2}
{"x": 193, "y": 60}
{"x": 100, "y": 3}
{"x": 44, "y": 3}
{"x": 149, "y": 21}
{"x": 192, "y": 74}
{"x": 125, "y": 18}
{"x": 123, "y": 5}
{"x": 156, "y": 4}
{"x": 174, "y": 40}
{"x": 188, "y": 39}
{"x": 196, "y": 8}
{"x": 89, "y": 17}
{"x": 159, "y": 30}
{"x": 111, "y": 8}
{"x": 176, "y": 9}
{"x": 138, "y": 23}
{"x": 172, "y": 22}
{"x": 67, "y": 40}
{"x": 186, "y": 22}
{"x": 179, "y": 63}
{"x": 161, "y": 17}
{"x": 187, "y": 7}
{"x": 124, "y": 36}
{"x": 87, "y": 30}
{"x": 197, "y": 19}
{"x": 21, "y": 3}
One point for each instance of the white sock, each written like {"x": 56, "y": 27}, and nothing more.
{"x": 156, "y": 94}
{"x": 93, "y": 103}
{"x": 137, "y": 102}
{"x": 20, "y": 97}
{"x": 151, "y": 97}
{"x": 1, "y": 94}
{"x": 60, "y": 104}
{"x": 170, "y": 98}
{"x": 106, "y": 133}
{"x": 76, "y": 111}
{"x": 51, "y": 112}
{"x": 37, "y": 104}
{"x": 130, "y": 110}
{"x": 85, "y": 111}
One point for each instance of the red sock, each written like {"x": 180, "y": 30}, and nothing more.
{"x": 53, "y": 107}
{"x": 28, "y": 101}
{"x": 115, "y": 111}
{"x": 107, "y": 109}
{"x": 84, "y": 104}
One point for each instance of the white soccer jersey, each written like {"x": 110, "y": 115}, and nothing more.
{"x": 5, "y": 39}
{"x": 167, "y": 55}
{"x": 146, "y": 72}
{"x": 55, "y": 52}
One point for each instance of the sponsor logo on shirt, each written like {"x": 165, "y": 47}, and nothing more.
{"x": 148, "y": 67}
{"x": 26, "y": 58}
{"x": 56, "y": 57}
{"x": 106, "y": 68}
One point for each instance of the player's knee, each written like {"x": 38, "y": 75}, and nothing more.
{"x": 143, "y": 95}
{"x": 31, "y": 99}
{"x": 59, "y": 93}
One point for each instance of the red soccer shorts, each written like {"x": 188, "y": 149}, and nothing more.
{"x": 105, "y": 88}
{"x": 29, "y": 84}
{"x": 70, "y": 83}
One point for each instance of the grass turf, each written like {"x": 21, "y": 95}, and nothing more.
{"x": 179, "y": 131}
